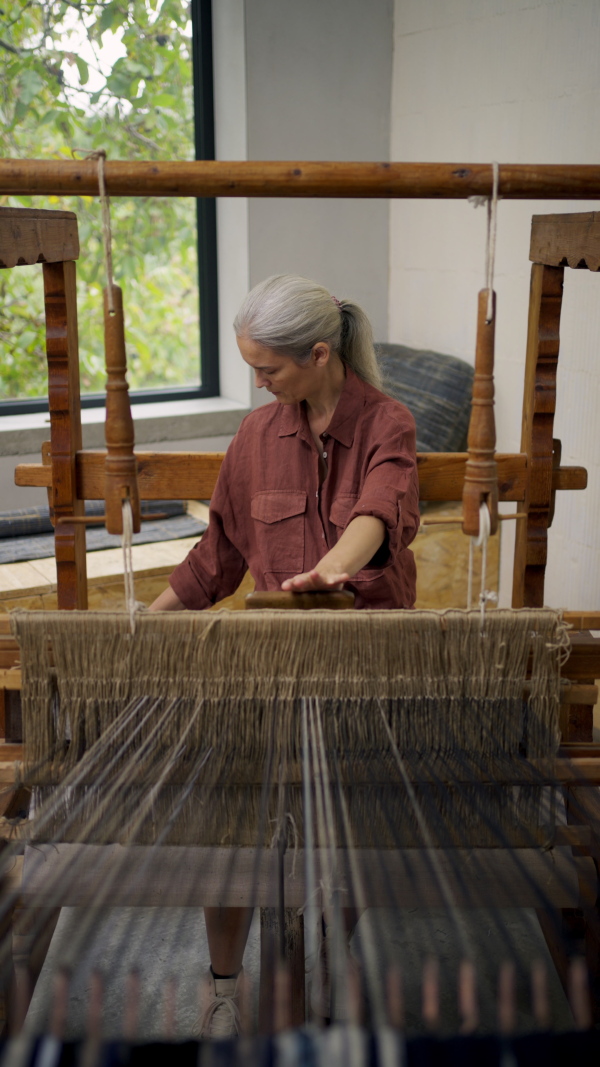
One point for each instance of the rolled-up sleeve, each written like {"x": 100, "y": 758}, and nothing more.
{"x": 390, "y": 490}
{"x": 214, "y": 567}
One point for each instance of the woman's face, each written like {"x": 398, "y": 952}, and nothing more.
{"x": 288, "y": 381}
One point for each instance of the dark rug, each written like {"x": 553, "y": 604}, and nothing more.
{"x": 28, "y": 533}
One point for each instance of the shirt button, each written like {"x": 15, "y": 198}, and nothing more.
{"x": 324, "y": 455}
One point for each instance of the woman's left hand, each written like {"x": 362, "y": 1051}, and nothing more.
{"x": 312, "y": 580}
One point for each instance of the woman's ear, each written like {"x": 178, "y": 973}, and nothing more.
{"x": 321, "y": 353}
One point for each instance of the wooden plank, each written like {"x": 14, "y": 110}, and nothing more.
{"x": 569, "y": 478}
{"x": 539, "y": 403}
{"x": 14, "y": 751}
{"x": 29, "y": 235}
{"x": 584, "y": 770}
{"x": 117, "y": 875}
{"x": 570, "y": 240}
{"x": 60, "y": 300}
{"x": 583, "y": 620}
{"x": 10, "y": 678}
{"x": 580, "y": 723}
{"x": 572, "y": 693}
{"x": 575, "y": 748}
{"x": 193, "y": 475}
{"x": 182, "y": 475}
{"x": 161, "y": 475}
{"x": 300, "y": 179}
{"x": 583, "y": 664}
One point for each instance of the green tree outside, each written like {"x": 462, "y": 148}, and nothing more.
{"x": 115, "y": 75}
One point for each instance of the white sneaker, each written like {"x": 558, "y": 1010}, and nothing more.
{"x": 219, "y": 1010}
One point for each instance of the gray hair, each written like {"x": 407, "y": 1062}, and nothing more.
{"x": 291, "y": 314}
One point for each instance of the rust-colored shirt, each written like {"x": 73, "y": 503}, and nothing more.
{"x": 273, "y": 513}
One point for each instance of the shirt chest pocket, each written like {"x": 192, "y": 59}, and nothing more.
{"x": 278, "y": 516}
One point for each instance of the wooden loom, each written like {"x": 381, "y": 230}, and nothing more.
{"x": 529, "y": 478}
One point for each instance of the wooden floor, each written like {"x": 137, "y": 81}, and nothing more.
{"x": 441, "y": 553}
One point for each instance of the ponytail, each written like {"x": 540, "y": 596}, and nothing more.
{"x": 356, "y": 343}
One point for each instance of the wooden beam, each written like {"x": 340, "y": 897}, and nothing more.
{"x": 10, "y": 679}
{"x": 583, "y": 664}
{"x": 566, "y": 240}
{"x": 519, "y": 181}
{"x": 192, "y": 475}
{"x": 584, "y": 770}
{"x": 583, "y": 620}
{"x": 539, "y": 403}
{"x": 62, "y": 348}
{"x": 30, "y": 235}
{"x": 115, "y": 875}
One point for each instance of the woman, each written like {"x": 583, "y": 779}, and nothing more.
{"x": 317, "y": 491}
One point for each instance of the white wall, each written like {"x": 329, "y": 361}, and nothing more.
{"x": 318, "y": 87}
{"x": 513, "y": 81}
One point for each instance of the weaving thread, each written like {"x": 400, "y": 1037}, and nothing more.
{"x": 231, "y": 684}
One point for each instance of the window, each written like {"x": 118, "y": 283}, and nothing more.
{"x": 134, "y": 78}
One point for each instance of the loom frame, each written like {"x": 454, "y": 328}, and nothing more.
{"x": 530, "y": 477}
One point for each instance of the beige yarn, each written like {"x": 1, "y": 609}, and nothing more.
{"x": 231, "y": 683}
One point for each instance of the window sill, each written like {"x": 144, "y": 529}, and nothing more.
{"x": 175, "y": 420}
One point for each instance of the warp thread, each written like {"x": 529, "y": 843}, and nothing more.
{"x": 231, "y": 683}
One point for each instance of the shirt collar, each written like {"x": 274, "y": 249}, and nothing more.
{"x": 292, "y": 417}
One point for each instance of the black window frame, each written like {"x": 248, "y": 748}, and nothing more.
{"x": 206, "y": 228}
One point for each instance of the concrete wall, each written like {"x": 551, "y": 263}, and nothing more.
{"x": 513, "y": 81}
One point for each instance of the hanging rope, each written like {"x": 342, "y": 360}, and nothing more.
{"x": 491, "y": 203}
{"x": 485, "y": 595}
{"x": 490, "y": 245}
{"x": 128, "y": 572}
{"x": 100, "y": 156}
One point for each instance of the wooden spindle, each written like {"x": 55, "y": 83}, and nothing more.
{"x": 354, "y": 993}
{"x": 395, "y": 997}
{"x": 90, "y": 1052}
{"x": 540, "y": 1002}
{"x": 60, "y": 1004}
{"x": 95, "y": 1007}
{"x": 579, "y": 994}
{"x": 120, "y": 468}
{"x": 467, "y": 997}
{"x": 170, "y": 1008}
{"x": 282, "y": 997}
{"x": 132, "y": 1006}
{"x": 507, "y": 1007}
{"x": 430, "y": 993}
{"x": 481, "y": 475}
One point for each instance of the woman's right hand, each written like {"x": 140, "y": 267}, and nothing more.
{"x": 167, "y": 601}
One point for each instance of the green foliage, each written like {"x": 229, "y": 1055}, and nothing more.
{"x": 115, "y": 75}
